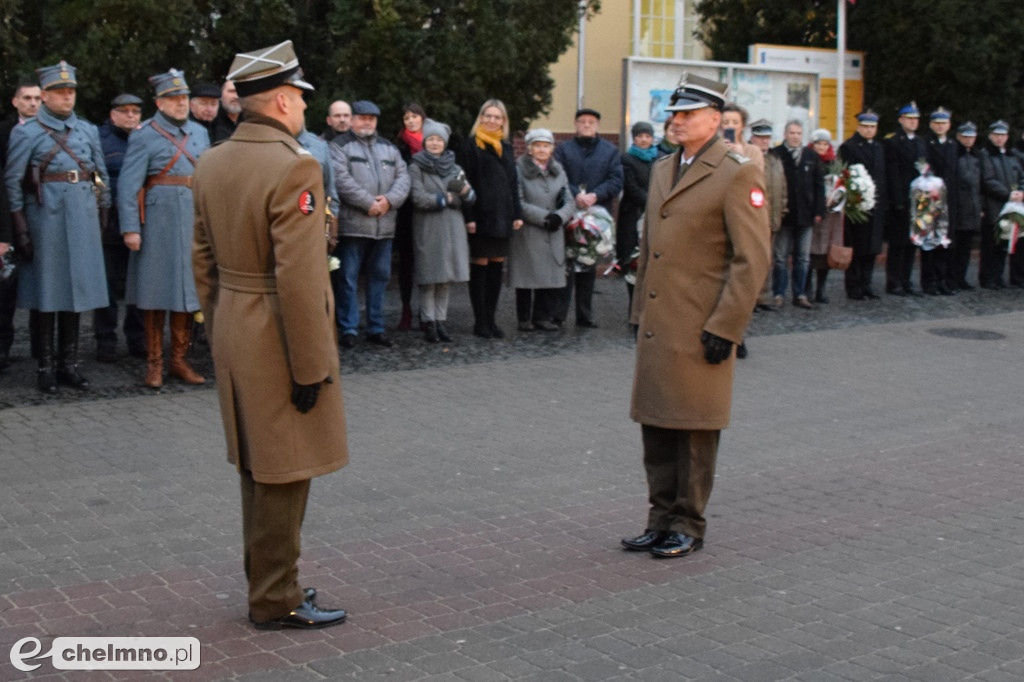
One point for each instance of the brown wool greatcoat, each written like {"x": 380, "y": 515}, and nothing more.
{"x": 704, "y": 254}
{"x": 260, "y": 263}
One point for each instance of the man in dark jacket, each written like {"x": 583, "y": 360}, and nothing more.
{"x": 903, "y": 149}
{"x": 1002, "y": 178}
{"x": 805, "y": 183}
{"x": 125, "y": 116}
{"x": 966, "y": 205}
{"x": 865, "y": 238}
{"x": 594, "y": 170}
{"x": 227, "y": 117}
{"x": 203, "y": 104}
{"x": 26, "y": 101}
{"x": 942, "y": 155}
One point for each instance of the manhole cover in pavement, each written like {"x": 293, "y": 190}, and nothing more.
{"x": 975, "y": 334}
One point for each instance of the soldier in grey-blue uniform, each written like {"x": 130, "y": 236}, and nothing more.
{"x": 155, "y": 205}
{"x": 57, "y": 186}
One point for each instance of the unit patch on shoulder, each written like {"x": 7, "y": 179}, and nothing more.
{"x": 306, "y": 203}
{"x": 756, "y": 197}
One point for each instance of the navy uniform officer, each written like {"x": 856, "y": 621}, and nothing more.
{"x": 155, "y": 204}
{"x": 57, "y": 186}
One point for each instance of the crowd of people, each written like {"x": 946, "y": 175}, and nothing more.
{"x": 443, "y": 216}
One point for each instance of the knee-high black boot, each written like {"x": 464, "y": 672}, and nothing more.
{"x": 492, "y": 291}
{"x": 477, "y": 284}
{"x": 43, "y": 326}
{"x": 67, "y": 352}
{"x": 819, "y": 292}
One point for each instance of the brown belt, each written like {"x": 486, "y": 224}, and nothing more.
{"x": 179, "y": 180}
{"x": 247, "y": 282}
{"x": 71, "y": 176}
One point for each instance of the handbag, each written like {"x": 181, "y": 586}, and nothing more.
{"x": 839, "y": 256}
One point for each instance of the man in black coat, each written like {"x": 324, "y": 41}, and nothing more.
{"x": 805, "y": 183}
{"x": 125, "y": 117}
{"x": 903, "y": 149}
{"x": 942, "y": 155}
{"x": 1002, "y": 178}
{"x": 865, "y": 238}
{"x": 26, "y": 101}
{"x": 965, "y": 212}
{"x": 594, "y": 169}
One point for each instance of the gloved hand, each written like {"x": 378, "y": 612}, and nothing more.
{"x": 716, "y": 349}
{"x": 304, "y": 396}
{"x": 552, "y": 221}
{"x": 22, "y": 238}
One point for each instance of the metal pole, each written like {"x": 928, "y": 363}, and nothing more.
{"x": 580, "y": 45}
{"x": 841, "y": 79}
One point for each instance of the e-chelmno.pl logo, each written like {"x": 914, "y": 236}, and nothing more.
{"x": 109, "y": 653}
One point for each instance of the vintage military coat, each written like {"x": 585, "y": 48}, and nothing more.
{"x": 704, "y": 254}
{"x": 67, "y": 271}
{"x": 260, "y": 261}
{"x": 160, "y": 272}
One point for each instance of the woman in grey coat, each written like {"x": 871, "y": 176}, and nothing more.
{"x": 440, "y": 247}
{"x": 537, "y": 254}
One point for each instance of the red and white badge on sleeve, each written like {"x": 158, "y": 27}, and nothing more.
{"x": 756, "y": 197}
{"x": 306, "y": 203}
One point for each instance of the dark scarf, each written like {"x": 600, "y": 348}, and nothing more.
{"x": 438, "y": 165}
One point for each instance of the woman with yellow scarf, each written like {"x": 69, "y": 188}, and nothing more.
{"x": 490, "y": 167}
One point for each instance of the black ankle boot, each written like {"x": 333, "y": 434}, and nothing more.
{"x": 430, "y": 331}
{"x": 442, "y": 333}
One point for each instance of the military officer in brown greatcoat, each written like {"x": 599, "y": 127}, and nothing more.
{"x": 704, "y": 254}
{"x": 260, "y": 261}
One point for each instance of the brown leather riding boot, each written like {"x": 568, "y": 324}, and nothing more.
{"x": 181, "y": 331}
{"x": 154, "y": 323}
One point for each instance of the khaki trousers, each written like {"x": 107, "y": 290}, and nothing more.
{"x": 680, "y": 469}
{"x": 271, "y": 533}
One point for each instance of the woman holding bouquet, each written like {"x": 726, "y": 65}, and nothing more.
{"x": 490, "y": 167}
{"x": 537, "y": 260}
{"x": 829, "y": 230}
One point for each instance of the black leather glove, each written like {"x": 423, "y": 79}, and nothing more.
{"x": 304, "y": 396}
{"x": 22, "y": 238}
{"x": 716, "y": 349}
{"x": 552, "y": 221}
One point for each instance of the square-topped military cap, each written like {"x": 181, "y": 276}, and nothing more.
{"x": 169, "y": 84}
{"x": 60, "y": 75}
{"x": 267, "y": 68}
{"x": 695, "y": 92}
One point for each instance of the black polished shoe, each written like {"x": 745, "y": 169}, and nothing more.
{"x": 869, "y": 293}
{"x": 895, "y": 292}
{"x": 46, "y": 381}
{"x": 909, "y": 291}
{"x": 483, "y": 330}
{"x": 379, "y": 340}
{"x": 676, "y": 544}
{"x": 305, "y": 616}
{"x": 496, "y": 332}
{"x": 586, "y": 324}
{"x": 643, "y": 543}
{"x": 348, "y": 340}
{"x": 930, "y": 291}
{"x": 856, "y": 297}
{"x": 962, "y": 284}
{"x": 947, "y": 291}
